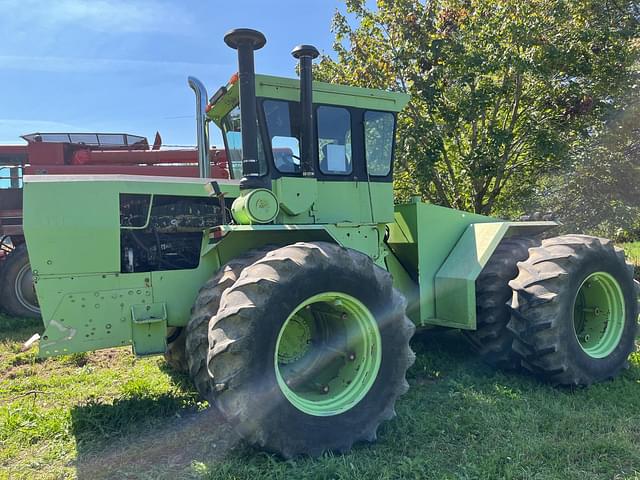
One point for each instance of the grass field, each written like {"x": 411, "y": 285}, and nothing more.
{"x": 109, "y": 415}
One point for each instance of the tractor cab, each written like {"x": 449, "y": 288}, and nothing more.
{"x": 354, "y": 129}
{"x": 324, "y": 151}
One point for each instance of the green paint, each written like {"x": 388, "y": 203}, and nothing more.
{"x": 328, "y": 354}
{"x": 296, "y": 196}
{"x": 255, "y": 206}
{"x": 86, "y": 301}
{"x": 422, "y": 237}
{"x": 405, "y": 283}
{"x": 599, "y": 314}
{"x": 455, "y": 289}
{"x": 149, "y": 328}
{"x": 307, "y": 200}
{"x": 323, "y": 93}
{"x": 445, "y": 251}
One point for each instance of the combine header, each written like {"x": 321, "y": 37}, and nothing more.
{"x": 293, "y": 315}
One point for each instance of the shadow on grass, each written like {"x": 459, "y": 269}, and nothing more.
{"x": 147, "y": 437}
{"x": 179, "y": 379}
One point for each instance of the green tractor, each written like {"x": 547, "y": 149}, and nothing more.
{"x": 290, "y": 292}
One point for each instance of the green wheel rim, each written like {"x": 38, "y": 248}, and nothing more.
{"x": 599, "y": 314}
{"x": 328, "y": 354}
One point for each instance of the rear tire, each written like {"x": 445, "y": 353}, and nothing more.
{"x": 17, "y": 294}
{"x": 492, "y": 339}
{"x": 294, "y": 346}
{"x": 574, "y": 310}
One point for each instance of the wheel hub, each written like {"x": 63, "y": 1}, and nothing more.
{"x": 24, "y": 289}
{"x": 599, "y": 314}
{"x": 328, "y": 354}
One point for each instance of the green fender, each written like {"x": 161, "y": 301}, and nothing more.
{"x": 437, "y": 255}
{"x": 455, "y": 291}
{"x": 230, "y": 241}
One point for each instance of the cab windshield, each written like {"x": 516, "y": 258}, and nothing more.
{"x": 232, "y": 133}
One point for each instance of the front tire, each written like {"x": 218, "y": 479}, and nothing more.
{"x": 574, "y": 310}
{"x": 195, "y": 336}
{"x": 309, "y": 350}
{"x": 187, "y": 347}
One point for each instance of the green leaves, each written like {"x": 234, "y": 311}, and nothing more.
{"x": 501, "y": 91}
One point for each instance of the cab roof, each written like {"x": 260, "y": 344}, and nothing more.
{"x": 325, "y": 93}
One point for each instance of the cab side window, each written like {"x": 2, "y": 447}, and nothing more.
{"x": 284, "y": 144}
{"x": 334, "y": 140}
{"x": 378, "y": 142}
{"x": 231, "y": 130}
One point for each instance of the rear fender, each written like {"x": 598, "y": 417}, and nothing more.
{"x": 455, "y": 290}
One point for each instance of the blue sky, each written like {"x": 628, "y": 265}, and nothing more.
{"x": 121, "y": 66}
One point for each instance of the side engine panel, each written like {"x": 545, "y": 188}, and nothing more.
{"x": 118, "y": 259}
{"x": 164, "y": 232}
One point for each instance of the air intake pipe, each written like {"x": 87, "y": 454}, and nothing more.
{"x": 306, "y": 54}
{"x": 246, "y": 41}
{"x": 204, "y": 164}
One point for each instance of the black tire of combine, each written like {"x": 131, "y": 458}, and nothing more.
{"x": 542, "y": 309}
{"x": 492, "y": 339}
{"x": 242, "y": 339}
{"x": 12, "y": 274}
{"x": 196, "y": 334}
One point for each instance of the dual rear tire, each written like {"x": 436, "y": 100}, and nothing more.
{"x": 574, "y": 310}
{"x": 564, "y": 309}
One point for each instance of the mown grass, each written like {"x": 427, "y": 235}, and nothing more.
{"x": 109, "y": 415}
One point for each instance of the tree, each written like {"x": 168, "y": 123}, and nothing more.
{"x": 500, "y": 90}
{"x": 600, "y": 194}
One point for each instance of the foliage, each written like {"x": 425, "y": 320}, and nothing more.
{"x": 600, "y": 194}
{"x": 500, "y": 90}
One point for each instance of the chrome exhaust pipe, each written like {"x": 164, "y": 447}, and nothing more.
{"x": 202, "y": 127}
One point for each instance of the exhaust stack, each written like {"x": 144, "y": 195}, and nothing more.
{"x": 246, "y": 41}
{"x": 306, "y": 54}
{"x": 204, "y": 164}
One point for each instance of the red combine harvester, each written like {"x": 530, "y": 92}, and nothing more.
{"x": 66, "y": 154}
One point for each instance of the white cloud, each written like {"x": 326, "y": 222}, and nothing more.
{"x": 31, "y": 63}
{"x": 109, "y": 16}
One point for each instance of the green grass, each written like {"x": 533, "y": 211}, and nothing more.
{"x": 109, "y": 415}
{"x": 632, "y": 250}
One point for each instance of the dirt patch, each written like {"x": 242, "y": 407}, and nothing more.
{"x": 170, "y": 451}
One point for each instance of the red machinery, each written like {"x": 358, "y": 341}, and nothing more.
{"x": 74, "y": 153}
